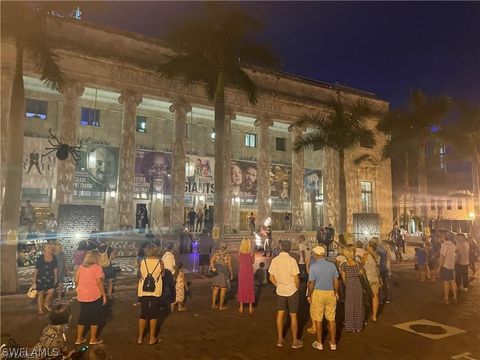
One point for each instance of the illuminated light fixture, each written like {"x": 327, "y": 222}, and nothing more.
{"x": 267, "y": 222}
{"x": 471, "y": 215}
{"x": 270, "y": 201}
{"x": 212, "y": 135}
{"x": 112, "y": 193}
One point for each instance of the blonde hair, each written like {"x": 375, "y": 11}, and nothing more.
{"x": 245, "y": 246}
{"x": 349, "y": 252}
{"x": 91, "y": 258}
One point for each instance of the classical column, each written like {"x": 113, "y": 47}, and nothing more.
{"x": 130, "y": 100}
{"x": 67, "y": 133}
{"x": 6, "y": 86}
{"x": 297, "y": 190}
{"x": 227, "y": 182}
{"x": 331, "y": 201}
{"x": 263, "y": 170}
{"x": 180, "y": 108}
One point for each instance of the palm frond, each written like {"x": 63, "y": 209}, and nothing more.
{"x": 257, "y": 55}
{"x": 46, "y": 62}
{"x": 237, "y": 78}
{"x": 314, "y": 121}
{"x": 187, "y": 67}
{"x": 314, "y": 139}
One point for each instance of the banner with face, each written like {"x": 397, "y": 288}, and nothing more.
{"x": 97, "y": 169}
{"x": 152, "y": 172}
{"x": 39, "y": 172}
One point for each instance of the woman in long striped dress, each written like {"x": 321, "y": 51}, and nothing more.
{"x": 354, "y": 311}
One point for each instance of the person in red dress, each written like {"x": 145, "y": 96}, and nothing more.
{"x": 246, "y": 290}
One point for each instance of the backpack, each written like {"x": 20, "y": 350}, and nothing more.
{"x": 149, "y": 283}
{"x": 104, "y": 260}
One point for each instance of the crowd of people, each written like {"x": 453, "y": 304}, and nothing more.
{"x": 350, "y": 283}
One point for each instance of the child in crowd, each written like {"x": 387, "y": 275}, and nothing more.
{"x": 180, "y": 285}
{"x": 421, "y": 261}
{"x": 261, "y": 275}
{"x": 53, "y": 342}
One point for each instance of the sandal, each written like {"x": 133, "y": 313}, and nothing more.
{"x": 223, "y": 308}
{"x": 98, "y": 342}
{"x": 80, "y": 343}
{"x": 213, "y": 307}
{"x": 155, "y": 342}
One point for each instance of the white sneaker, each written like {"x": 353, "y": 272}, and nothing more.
{"x": 317, "y": 345}
{"x": 333, "y": 346}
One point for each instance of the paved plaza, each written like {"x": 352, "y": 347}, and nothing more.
{"x": 405, "y": 330}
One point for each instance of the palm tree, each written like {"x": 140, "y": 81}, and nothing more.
{"x": 340, "y": 128}
{"x": 26, "y": 27}
{"x": 409, "y": 129}
{"x": 212, "y": 50}
{"x": 464, "y": 135}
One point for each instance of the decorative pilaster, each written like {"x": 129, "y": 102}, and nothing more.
{"x": 130, "y": 100}
{"x": 227, "y": 182}
{"x": 297, "y": 192}
{"x": 6, "y": 86}
{"x": 331, "y": 201}
{"x": 180, "y": 108}
{"x": 263, "y": 171}
{"x": 67, "y": 131}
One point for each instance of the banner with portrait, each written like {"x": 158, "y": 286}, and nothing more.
{"x": 313, "y": 182}
{"x": 152, "y": 172}
{"x": 97, "y": 169}
{"x": 243, "y": 179}
{"x": 39, "y": 172}
{"x": 280, "y": 182}
{"x": 199, "y": 175}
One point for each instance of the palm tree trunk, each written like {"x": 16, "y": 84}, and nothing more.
{"x": 13, "y": 177}
{"x": 422, "y": 185}
{"x": 342, "y": 186}
{"x": 219, "y": 150}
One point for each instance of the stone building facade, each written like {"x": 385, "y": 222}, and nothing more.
{"x": 147, "y": 143}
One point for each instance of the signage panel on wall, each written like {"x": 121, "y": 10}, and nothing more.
{"x": 39, "y": 172}
{"x": 280, "y": 182}
{"x": 199, "y": 175}
{"x": 97, "y": 169}
{"x": 243, "y": 177}
{"x": 313, "y": 181}
{"x": 152, "y": 172}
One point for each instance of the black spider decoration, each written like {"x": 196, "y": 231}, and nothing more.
{"x": 62, "y": 150}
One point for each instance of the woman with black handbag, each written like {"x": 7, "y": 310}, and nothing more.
{"x": 150, "y": 292}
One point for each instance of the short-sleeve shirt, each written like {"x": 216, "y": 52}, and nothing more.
{"x": 169, "y": 261}
{"x": 87, "y": 288}
{"x": 284, "y": 268}
{"x": 323, "y": 273}
{"x": 421, "y": 256}
{"x": 221, "y": 256}
{"x": 204, "y": 244}
{"x": 463, "y": 251}
{"x": 155, "y": 269}
{"x": 448, "y": 250}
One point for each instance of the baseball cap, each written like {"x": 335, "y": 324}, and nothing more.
{"x": 319, "y": 250}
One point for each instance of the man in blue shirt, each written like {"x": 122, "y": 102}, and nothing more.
{"x": 323, "y": 287}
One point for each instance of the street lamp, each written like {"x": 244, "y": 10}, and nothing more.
{"x": 212, "y": 135}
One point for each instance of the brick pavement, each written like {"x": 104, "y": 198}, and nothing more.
{"x": 200, "y": 333}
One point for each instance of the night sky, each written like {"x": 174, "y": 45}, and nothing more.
{"x": 383, "y": 47}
